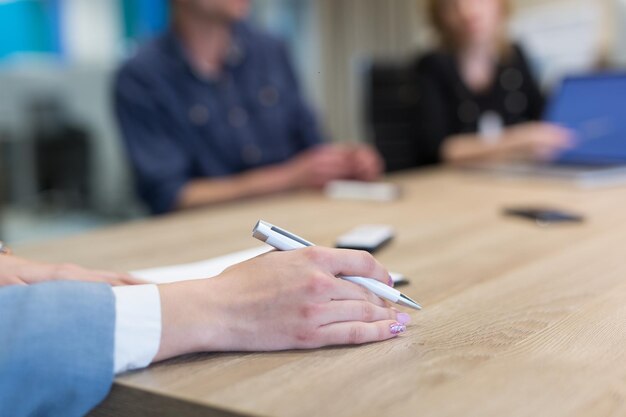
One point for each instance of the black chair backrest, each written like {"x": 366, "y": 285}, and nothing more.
{"x": 392, "y": 100}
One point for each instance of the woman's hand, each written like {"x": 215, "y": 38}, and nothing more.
{"x": 536, "y": 141}
{"x": 19, "y": 271}
{"x": 278, "y": 301}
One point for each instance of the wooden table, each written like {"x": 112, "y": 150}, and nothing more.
{"x": 518, "y": 319}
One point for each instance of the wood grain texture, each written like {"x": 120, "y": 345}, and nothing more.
{"x": 519, "y": 320}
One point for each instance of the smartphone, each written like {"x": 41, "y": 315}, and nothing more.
{"x": 370, "y": 238}
{"x": 544, "y": 215}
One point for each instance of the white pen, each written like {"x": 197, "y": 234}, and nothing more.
{"x": 284, "y": 241}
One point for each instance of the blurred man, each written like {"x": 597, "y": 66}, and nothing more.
{"x": 212, "y": 111}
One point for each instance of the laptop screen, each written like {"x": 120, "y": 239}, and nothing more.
{"x": 595, "y": 108}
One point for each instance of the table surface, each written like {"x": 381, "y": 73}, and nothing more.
{"x": 518, "y": 320}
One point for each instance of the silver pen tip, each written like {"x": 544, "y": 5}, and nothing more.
{"x": 407, "y": 302}
{"x": 257, "y": 233}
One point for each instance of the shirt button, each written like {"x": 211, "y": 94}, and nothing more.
{"x": 516, "y": 102}
{"x": 268, "y": 96}
{"x": 236, "y": 55}
{"x": 251, "y": 154}
{"x": 198, "y": 114}
{"x": 511, "y": 79}
{"x": 238, "y": 117}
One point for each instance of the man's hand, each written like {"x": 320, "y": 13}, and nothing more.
{"x": 320, "y": 165}
{"x": 278, "y": 301}
{"x": 313, "y": 168}
{"x": 367, "y": 163}
{"x": 317, "y": 166}
{"x": 19, "y": 271}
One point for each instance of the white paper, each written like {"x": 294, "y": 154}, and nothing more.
{"x": 197, "y": 270}
{"x": 208, "y": 268}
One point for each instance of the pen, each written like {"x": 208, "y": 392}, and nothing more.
{"x": 284, "y": 241}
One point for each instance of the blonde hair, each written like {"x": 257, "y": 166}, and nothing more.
{"x": 436, "y": 9}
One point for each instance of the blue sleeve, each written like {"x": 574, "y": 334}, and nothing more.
{"x": 305, "y": 127}
{"x": 56, "y": 348}
{"x": 160, "y": 164}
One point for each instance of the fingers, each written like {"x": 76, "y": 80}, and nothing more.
{"x": 558, "y": 133}
{"x": 368, "y": 174}
{"x": 537, "y": 141}
{"x": 323, "y": 173}
{"x": 344, "y": 290}
{"x": 368, "y": 171}
{"x": 368, "y": 164}
{"x": 546, "y": 148}
{"x": 351, "y": 310}
{"x": 118, "y": 278}
{"x": 332, "y": 166}
{"x": 11, "y": 280}
{"x": 114, "y": 279}
{"x": 550, "y": 135}
{"x": 323, "y": 164}
{"x": 362, "y": 162}
{"x": 76, "y": 273}
{"x": 128, "y": 280}
{"x": 336, "y": 162}
{"x": 356, "y": 333}
{"x": 329, "y": 155}
{"x": 348, "y": 263}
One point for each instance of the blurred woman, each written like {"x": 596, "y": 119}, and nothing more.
{"x": 479, "y": 100}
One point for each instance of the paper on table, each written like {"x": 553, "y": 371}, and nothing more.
{"x": 208, "y": 268}
{"x": 196, "y": 270}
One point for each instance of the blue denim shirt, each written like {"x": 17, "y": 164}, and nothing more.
{"x": 179, "y": 126}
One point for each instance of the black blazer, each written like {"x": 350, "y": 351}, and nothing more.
{"x": 448, "y": 107}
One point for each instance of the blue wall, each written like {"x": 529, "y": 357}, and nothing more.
{"x": 30, "y": 26}
{"x": 34, "y": 26}
{"x": 144, "y": 18}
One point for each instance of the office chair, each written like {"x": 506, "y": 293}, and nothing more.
{"x": 391, "y": 106}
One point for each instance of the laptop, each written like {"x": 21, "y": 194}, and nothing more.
{"x": 594, "y": 106}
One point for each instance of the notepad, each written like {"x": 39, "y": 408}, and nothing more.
{"x": 210, "y": 268}
{"x": 362, "y": 191}
{"x": 197, "y": 270}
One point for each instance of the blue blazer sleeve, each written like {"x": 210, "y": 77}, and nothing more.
{"x": 56, "y": 348}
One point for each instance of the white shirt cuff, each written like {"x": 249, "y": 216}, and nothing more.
{"x": 137, "y": 326}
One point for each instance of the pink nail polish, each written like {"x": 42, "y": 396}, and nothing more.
{"x": 403, "y": 318}
{"x": 390, "y": 281}
{"x": 397, "y": 328}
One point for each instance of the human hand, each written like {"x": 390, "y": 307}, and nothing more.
{"x": 318, "y": 166}
{"x": 367, "y": 163}
{"x": 536, "y": 141}
{"x": 278, "y": 301}
{"x": 19, "y": 271}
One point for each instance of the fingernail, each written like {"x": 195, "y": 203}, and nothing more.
{"x": 397, "y": 328}
{"x": 403, "y": 318}
{"x": 390, "y": 281}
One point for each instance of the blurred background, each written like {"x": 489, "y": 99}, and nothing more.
{"x": 62, "y": 166}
